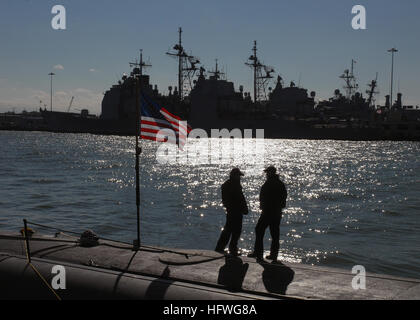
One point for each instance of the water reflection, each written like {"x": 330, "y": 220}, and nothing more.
{"x": 348, "y": 201}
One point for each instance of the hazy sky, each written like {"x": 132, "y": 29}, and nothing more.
{"x": 306, "y": 39}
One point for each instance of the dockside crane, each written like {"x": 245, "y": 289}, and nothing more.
{"x": 71, "y": 102}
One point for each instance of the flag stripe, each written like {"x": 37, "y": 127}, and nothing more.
{"x": 158, "y": 124}
{"x": 171, "y": 115}
{"x": 159, "y": 131}
{"x": 174, "y": 120}
{"x": 154, "y": 131}
{"x": 178, "y": 124}
{"x": 158, "y": 138}
{"x": 175, "y": 124}
{"x": 148, "y": 120}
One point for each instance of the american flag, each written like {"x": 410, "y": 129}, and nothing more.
{"x": 158, "y": 124}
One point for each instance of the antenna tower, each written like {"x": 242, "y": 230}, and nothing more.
{"x": 187, "y": 68}
{"x": 139, "y": 66}
{"x": 217, "y": 74}
{"x": 371, "y": 91}
{"x": 262, "y": 75}
{"x": 348, "y": 76}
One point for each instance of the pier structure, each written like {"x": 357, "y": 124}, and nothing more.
{"x": 112, "y": 270}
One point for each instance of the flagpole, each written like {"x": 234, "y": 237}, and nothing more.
{"x": 138, "y": 84}
{"x": 136, "y": 243}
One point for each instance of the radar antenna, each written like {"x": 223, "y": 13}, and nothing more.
{"x": 139, "y": 66}
{"x": 262, "y": 75}
{"x": 351, "y": 85}
{"x": 187, "y": 67}
{"x": 216, "y": 73}
{"x": 371, "y": 91}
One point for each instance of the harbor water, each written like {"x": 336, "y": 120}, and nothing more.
{"x": 349, "y": 203}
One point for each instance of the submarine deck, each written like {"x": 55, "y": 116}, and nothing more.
{"x": 208, "y": 274}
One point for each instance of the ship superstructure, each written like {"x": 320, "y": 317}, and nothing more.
{"x": 213, "y": 102}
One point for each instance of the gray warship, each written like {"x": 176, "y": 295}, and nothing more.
{"x": 207, "y": 100}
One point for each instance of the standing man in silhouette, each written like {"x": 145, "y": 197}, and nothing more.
{"x": 272, "y": 200}
{"x": 234, "y": 201}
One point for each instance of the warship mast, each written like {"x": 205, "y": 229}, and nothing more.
{"x": 186, "y": 67}
{"x": 371, "y": 91}
{"x": 180, "y": 84}
{"x": 255, "y": 64}
{"x": 260, "y": 79}
{"x": 348, "y": 76}
{"x": 141, "y": 64}
{"x": 216, "y": 73}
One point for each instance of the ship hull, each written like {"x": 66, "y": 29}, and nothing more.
{"x": 74, "y": 123}
{"x": 280, "y": 129}
{"x": 273, "y": 129}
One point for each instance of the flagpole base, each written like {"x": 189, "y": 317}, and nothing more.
{"x": 136, "y": 245}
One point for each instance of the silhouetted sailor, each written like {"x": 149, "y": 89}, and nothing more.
{"x": 272, "y": 200}
{"x": 234, "y": 201}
